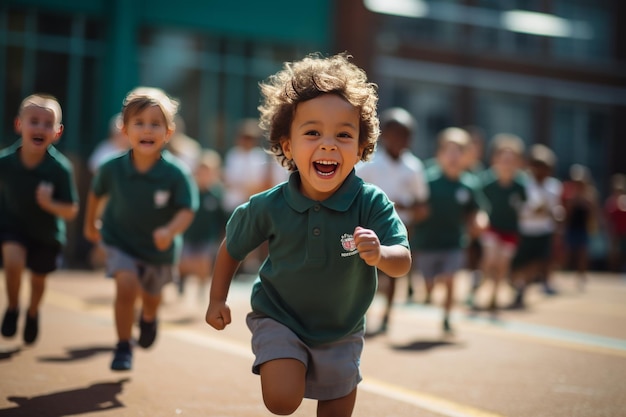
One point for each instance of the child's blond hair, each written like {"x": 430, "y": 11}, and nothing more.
{"x": 307, "y": 79}
{"x": 45, "y": 101}
{"x": 141, "y": 98}
{"x": 453, "y": 135}
{"x": 507, "y": 141}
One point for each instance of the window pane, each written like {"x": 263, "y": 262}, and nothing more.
{"x": 54, "y": 24}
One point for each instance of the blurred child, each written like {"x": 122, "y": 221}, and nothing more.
{"x": 151, "y": 201}
{"x": 202, "y": 237}
{"x": 115, "y": 145}
{"x": 504, "y": 191}
{"x": 582, "y": 210}
{"x": 400, "y": 174}
{"x": 328, "y": 233}
{"x": 453, "y": 203}
{"x": 37, "y": 195}
{"x": 539, "y": 220}
{"x": 615, "y": 209}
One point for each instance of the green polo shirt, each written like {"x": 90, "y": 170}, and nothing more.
{"x": 504, "y": 201}
{"x": 139, "y": 203}
{"x": 19, "y": 211}
{"x": 313, "y": 280}
{"x": 210, "y": 219}
{"x": 450, "y": 203}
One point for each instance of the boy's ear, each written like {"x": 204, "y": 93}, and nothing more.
{"x": 285, "y": 144}
{"x": 59, "y": 132}
{"x": 17, "y": 125}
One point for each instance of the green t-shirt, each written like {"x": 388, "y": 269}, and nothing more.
{"x": 450, "y": 203}
{"x": 505, "y": 202}
{"x": 19, "y": 211}
{"x": 139, "y": 203}
{"x": 313, "y": 280}
{"x": 210, "y": 219}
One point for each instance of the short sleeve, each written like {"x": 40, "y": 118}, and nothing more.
{"x": 243, "y": 232}
{"x": 385, "y": 222}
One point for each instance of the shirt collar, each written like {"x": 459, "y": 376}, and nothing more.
{"x": 341, "y": 200}
{"x": 130, "y": 170}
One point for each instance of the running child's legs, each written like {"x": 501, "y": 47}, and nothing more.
{"x": 37, "y": 288}
{"x": 282, "y": 385}
{"x": 150, "y": 305}
{"x": 127, "y": 290}
{"x": 14, "y": 262}
{"x": 339, "y": 407}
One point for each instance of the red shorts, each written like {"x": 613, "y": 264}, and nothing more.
{"x": 494, "y": 236}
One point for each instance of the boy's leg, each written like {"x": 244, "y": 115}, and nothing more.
{"x": 14, "y": 261}
{"x": 127, "y": 290}
{"x": 389, "y": 294}
{"x": 448, "y": 281}
{"x": 37, "y": 287}
{"x": 282, "y": 385}
{"x": 338, "y": 407}
{"x": 148, "y": 319}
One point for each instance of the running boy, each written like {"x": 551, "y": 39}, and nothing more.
{"x": 202, "y": 238}
{"x": 503, "y": 188}
{"x": 151, "y": 201}
{"x": 453, "y": 207}
{"x": 37, "y": 195}
{"x": 327, "y": 232}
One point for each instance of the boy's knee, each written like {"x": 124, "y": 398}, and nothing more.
{"x": 281, "y": 405}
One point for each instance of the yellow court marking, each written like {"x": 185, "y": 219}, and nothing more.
{"x": 422, "y": 400}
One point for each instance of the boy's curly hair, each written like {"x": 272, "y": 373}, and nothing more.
{"x": 309, "y": 78}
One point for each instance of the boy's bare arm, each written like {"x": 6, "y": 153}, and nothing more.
{"x": 90, "y": 228}
{"x": 394, "y": 261}
{"x": 218, "y": 312}
{"x": 164, "y": 235}
{"x": 64, "y": 210}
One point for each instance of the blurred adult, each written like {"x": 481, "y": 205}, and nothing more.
{"x": 400, "y": 174}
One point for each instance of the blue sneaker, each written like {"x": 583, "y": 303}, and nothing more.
{"x": 123, "y": 357}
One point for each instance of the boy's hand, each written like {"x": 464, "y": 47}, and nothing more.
{"x": 218, "y": 315}
{"x": 162, "y": 238}
{"x": 43, "y": 194}
{"x": 368, "y": 245}
{"x": 92, "y": 233}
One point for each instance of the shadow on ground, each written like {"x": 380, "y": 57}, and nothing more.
{"x": 425, "y": 345}
{"x": 76, "y": 354}
{"x": 96, "y": 397}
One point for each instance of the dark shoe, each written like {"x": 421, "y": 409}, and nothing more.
{"x": 31, "y": 329}
{"x": 548, "y": 290}
{"x": 9, "y": 323}
{"x": 123, "y": 357}
{"x": 147, "y": 332}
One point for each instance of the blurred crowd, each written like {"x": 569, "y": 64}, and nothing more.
{"x": 557, "y": 220}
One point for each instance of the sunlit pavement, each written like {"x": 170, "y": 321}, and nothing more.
{"x": 564, "y": 355}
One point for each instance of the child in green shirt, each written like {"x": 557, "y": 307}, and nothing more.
{"x": 37, "y": 196}
{"x": 327, "y": 233}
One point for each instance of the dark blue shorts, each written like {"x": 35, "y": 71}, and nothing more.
{"x": 40, "y": 258}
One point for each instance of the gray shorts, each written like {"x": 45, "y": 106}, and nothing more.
{"x": 444, "y": 262}
{"x": 332, "y": 369}
{"x": 152, "y": 278}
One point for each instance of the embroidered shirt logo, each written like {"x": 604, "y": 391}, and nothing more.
{"x": 161, "y": 197}
{"x": 347, "y": 243}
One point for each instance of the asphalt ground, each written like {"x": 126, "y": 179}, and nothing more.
{"x": 564, "y": 355}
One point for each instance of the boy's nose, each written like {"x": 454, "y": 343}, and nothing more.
{"x": 328, "y": 145}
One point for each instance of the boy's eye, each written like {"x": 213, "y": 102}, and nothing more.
{"x": 345, "y": 135}
{"x": 312, "y": 133}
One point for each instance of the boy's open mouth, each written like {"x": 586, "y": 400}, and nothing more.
{"x": 38, "y": 141}
{"x": 146, "y": 142}
{"x": 325, "y": 168}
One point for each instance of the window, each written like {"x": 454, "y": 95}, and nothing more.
{"x": 215, "y": 78}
